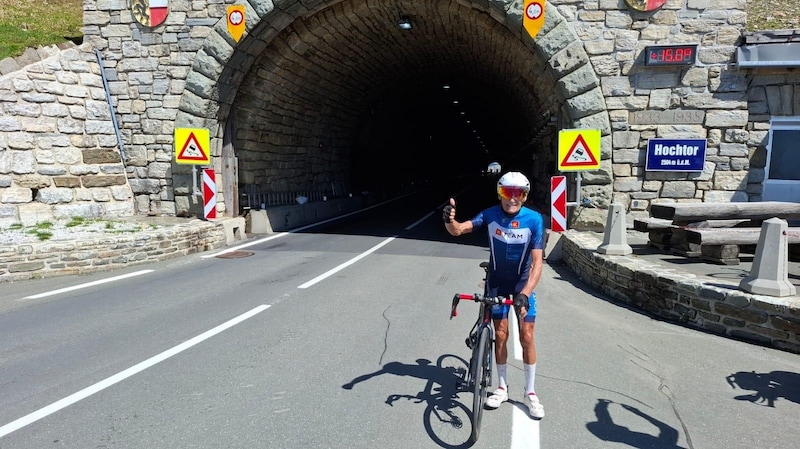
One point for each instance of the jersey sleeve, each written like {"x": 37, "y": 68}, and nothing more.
{"x": 478, "y": 220}
{"x": 538, "y": 232}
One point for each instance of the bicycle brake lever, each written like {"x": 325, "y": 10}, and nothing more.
{"x": 453, "y": 311}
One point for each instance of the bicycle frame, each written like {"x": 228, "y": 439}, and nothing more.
{"x": 481, "y": 341}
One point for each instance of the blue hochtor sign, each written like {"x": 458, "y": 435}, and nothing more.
{"x": 676, "y": 154}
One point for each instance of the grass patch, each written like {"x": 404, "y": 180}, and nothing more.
{"x": 765, "y": 15}
{"x": 75, "y": 221}
{"x": 47, "y": 230}
{"x": 41, "y": 230}
{"x": 38, "y": 23}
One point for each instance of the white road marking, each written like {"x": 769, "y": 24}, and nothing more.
{"x": 524, "y": 429}
{"x": 302, "y": 228}
{"x": 103, "y": 384}
{"x": 412, "y": 225}
{"x": 88, "y": 284}
{"x": 245, "y": 245}
{"x": 346, "y": 264}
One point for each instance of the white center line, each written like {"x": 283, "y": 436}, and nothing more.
{"x": 346, "y": 264}
{"x": 524, "y": 429}
{"x": 88, "y": 284}
{"x": 103, "y": 384}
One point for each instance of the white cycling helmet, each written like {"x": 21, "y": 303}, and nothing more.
{"x": 514, "y": 179}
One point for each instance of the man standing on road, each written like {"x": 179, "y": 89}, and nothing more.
{"x": 516, "y": 247}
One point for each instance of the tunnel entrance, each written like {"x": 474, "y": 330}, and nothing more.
{"x": 341, "y": 98}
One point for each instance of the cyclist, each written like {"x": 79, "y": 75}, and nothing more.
{"x": 516, "y": 246}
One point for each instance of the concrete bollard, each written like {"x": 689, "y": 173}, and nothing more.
{"x": 615, "y": 239}
{"x": 553, "y": 247}
{"x": 234, "y": 229}
{"x": 769, "y": 274}
{"x": 258, "y": 222}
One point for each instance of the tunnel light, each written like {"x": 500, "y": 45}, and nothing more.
{"x": 405, "y": 23}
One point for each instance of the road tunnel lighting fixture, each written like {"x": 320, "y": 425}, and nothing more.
{"x": 405, "y": 23}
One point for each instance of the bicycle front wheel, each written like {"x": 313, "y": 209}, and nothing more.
{"x": 482, "y": 364}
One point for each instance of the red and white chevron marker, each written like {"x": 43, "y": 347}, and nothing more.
{"x": 209, "y": 194}
{"x": 558, "y": 203}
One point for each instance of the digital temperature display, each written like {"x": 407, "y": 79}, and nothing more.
{"x": 683, "y": 54}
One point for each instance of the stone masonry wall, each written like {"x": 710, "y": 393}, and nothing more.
{"x": 59, "y": 155}
{"x": 684, "y": 298}
{"x": 58, "y": 150}
{"x": 57, "y": 258}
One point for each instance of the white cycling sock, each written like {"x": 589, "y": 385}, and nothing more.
{"x": 502, "y": 373}
{"x": 530, "y": 377}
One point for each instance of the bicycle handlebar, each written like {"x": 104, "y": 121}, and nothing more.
{"x": 476, "y": 297}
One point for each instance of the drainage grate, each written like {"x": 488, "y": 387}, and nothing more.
{"x": 235, "y": 255}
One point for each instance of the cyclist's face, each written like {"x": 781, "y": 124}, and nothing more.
{"x": 512, "y": 205}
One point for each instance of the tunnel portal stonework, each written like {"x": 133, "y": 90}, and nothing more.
{"x": 281, "y": 103}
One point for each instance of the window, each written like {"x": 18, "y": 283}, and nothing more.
{"x": 782, "y": 181}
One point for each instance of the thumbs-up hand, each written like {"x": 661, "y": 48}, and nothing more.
{"x": 449, "y": 212}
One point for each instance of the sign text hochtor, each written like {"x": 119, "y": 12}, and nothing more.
{"x": 676, "y": 154}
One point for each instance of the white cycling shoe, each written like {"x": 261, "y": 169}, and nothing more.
{"x": 534, "y": 406}
{"x": 498, "y": 397}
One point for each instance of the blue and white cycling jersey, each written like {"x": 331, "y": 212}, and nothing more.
{"x": 511, "y": 239}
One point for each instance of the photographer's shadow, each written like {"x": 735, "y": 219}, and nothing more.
{"x": 447, "y": 421}
{"x": 607, "y": 430}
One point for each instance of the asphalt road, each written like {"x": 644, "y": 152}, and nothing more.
{"x": 339, "y": 337}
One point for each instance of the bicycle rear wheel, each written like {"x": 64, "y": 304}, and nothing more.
{"x": 481, "y": 373}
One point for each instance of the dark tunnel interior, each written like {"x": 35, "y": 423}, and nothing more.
{"x": 434, "y": 128}
{"x": 345, "y": 97}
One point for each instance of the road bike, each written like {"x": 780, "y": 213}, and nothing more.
{"x": 481, "y": 341}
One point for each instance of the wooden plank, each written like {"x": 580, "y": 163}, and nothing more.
{"x": 691, "y": 212}
{"x": 724, "y": 254}
{"x": 650, "y": 224}
{"x": 720, "y": 223}
{"x": 733, "y": 236}
{"x": 681, "y": 245}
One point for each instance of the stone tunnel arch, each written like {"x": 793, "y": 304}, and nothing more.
{"x": 549, "y": 76}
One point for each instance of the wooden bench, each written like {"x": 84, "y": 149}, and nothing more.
{"x": 664, "y": 234}
{"x": 659, "y": 231}
{"x": 693, "y": 212}
{"x": 685, "y": 216}
{"x": 722, "y": 245}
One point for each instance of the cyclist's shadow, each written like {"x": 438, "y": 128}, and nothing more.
{"x": 447, "y": 421}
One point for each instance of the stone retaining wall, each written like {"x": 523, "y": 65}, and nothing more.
{"x": 47, "y": 259}
{"x": 684, "y": 298}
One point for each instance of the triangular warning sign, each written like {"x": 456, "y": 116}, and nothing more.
{"x": 579, "y": 154}
{"x": 192, "y": 151}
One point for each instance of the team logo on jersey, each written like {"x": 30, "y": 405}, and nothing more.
{"x": 515, "y": 224}
{"x": 150, "y": 13}
{"x": 498, "y": 232}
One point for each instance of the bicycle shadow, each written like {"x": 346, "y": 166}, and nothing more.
{"x": 767, "y": 387}
{"x": 447, "y": 421}
{"x": 607, "y": 430}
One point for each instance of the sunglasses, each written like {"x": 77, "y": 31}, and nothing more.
{"x": 512, "y": 192}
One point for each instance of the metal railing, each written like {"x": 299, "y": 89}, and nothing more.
{"x": 255, "y": 198}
